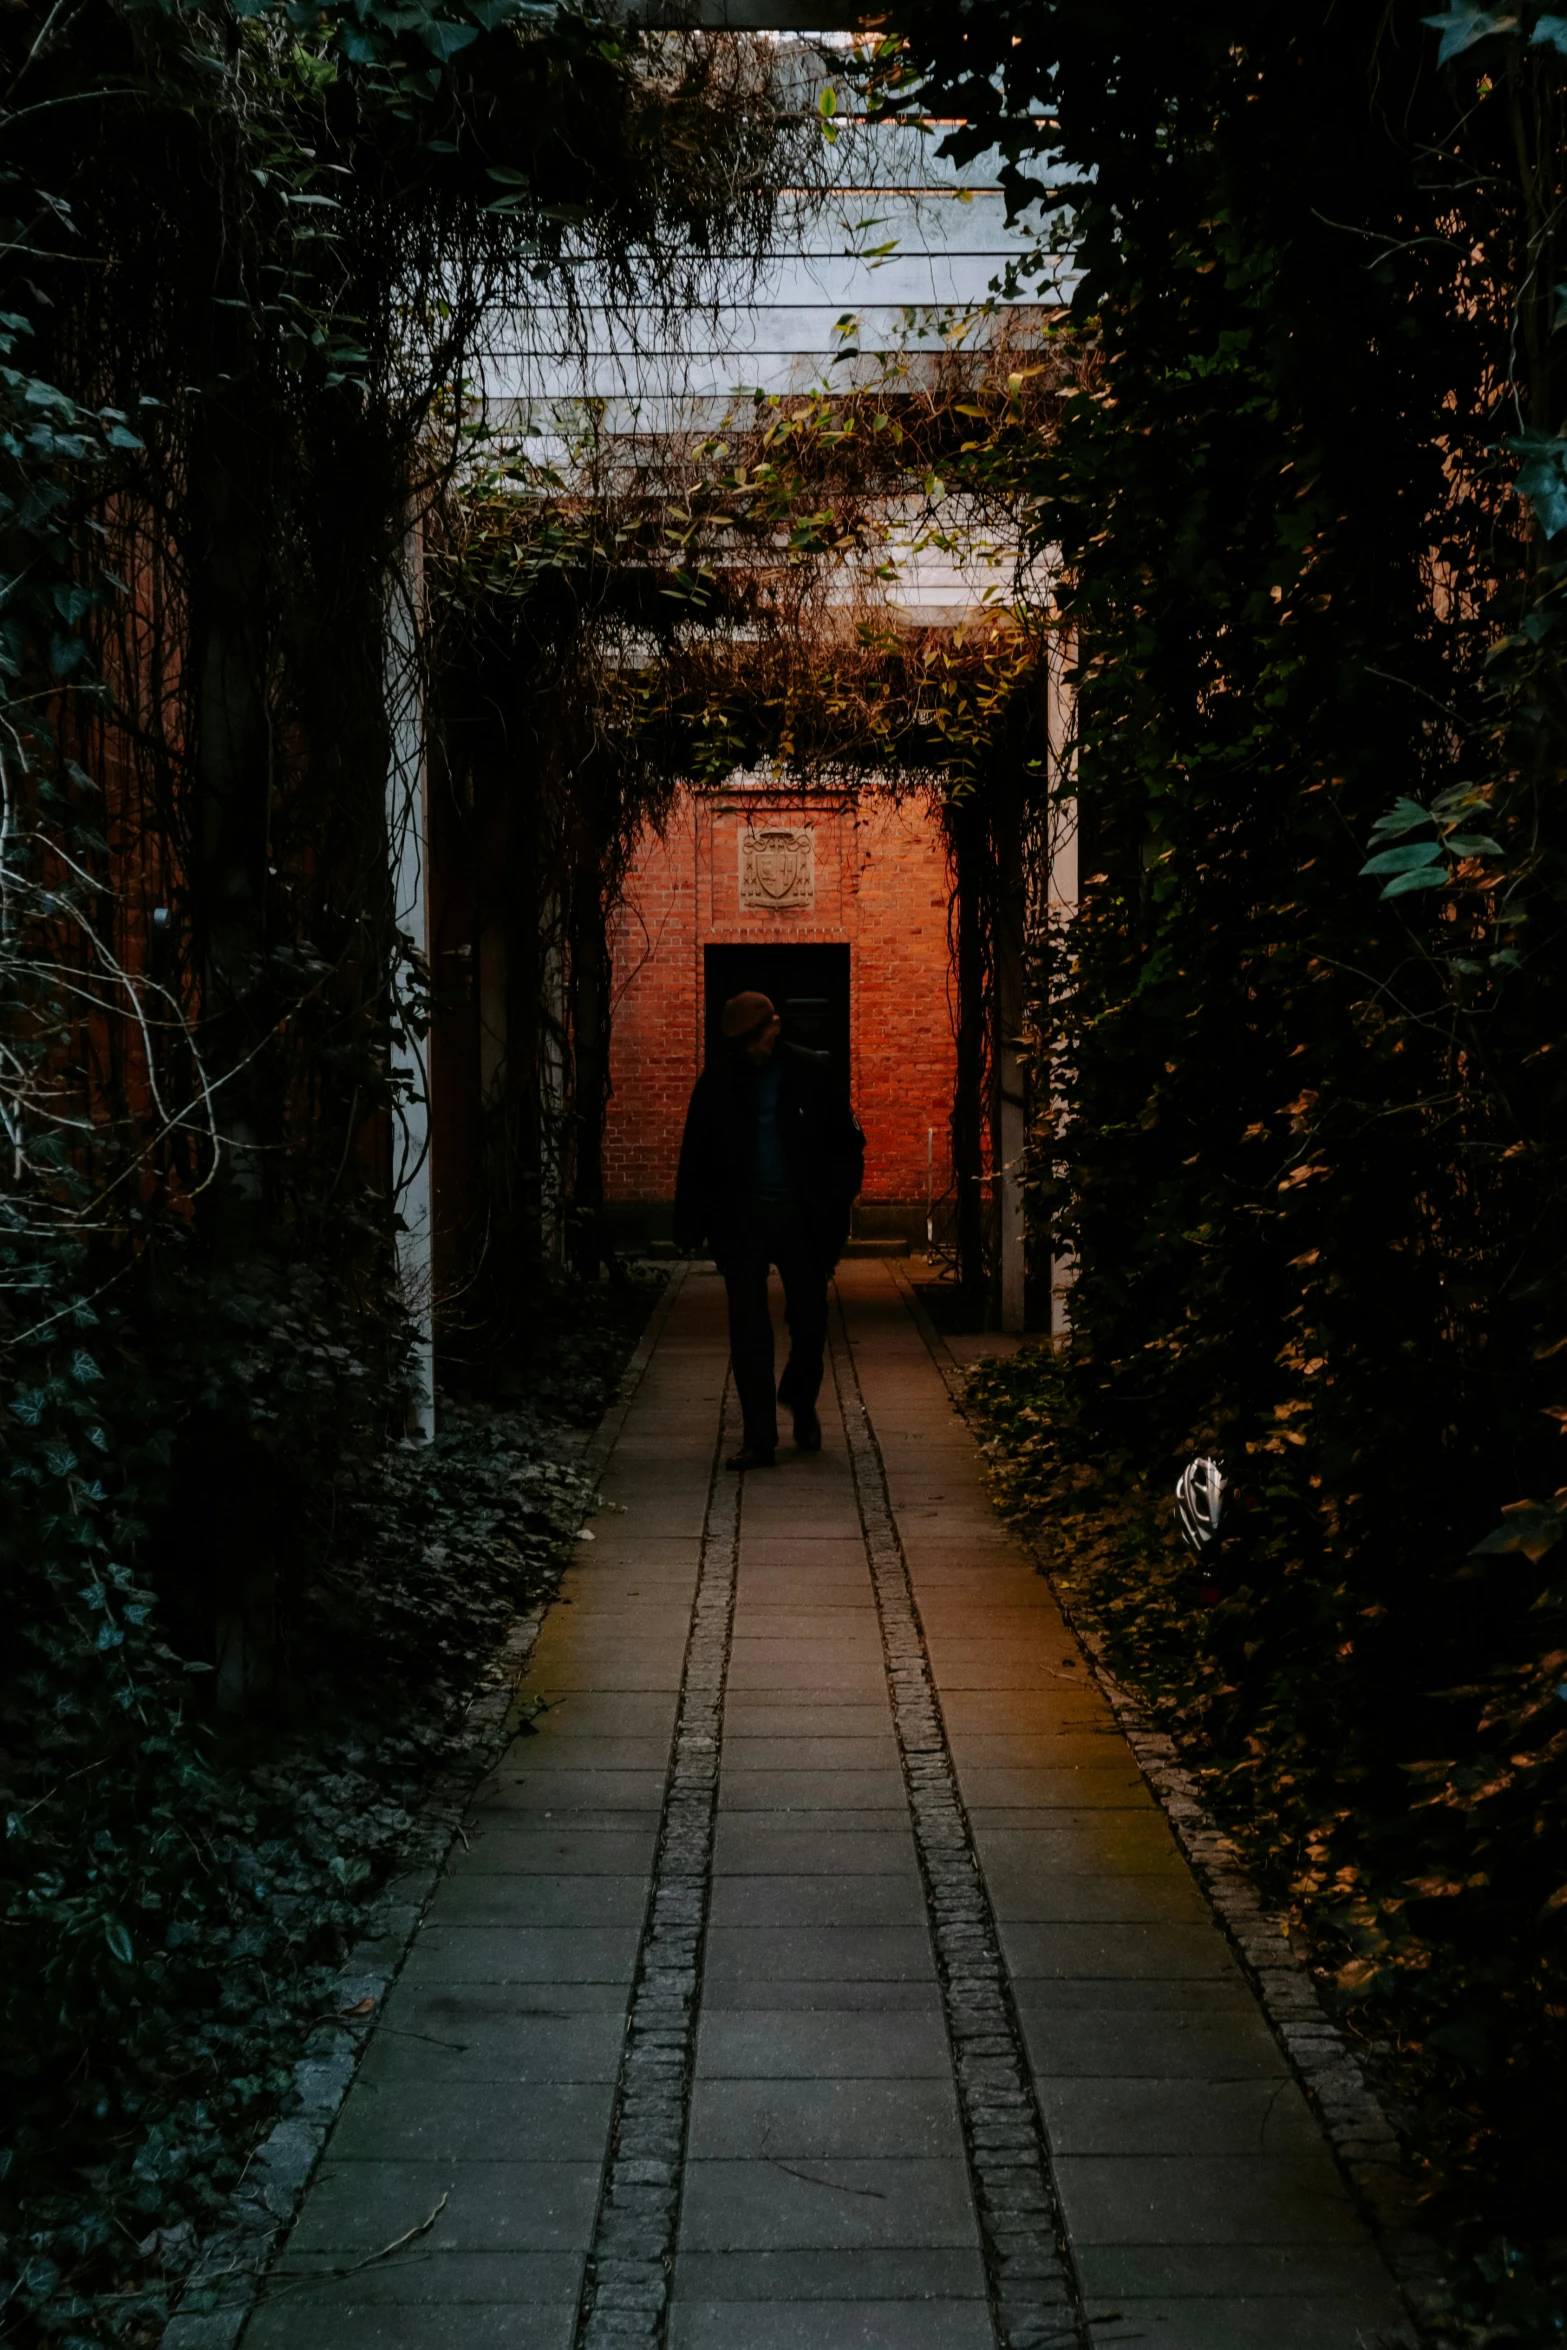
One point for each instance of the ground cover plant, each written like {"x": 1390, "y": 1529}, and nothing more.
{"x": 1366, "y": 1846}
{"x": 172, "y": 1929}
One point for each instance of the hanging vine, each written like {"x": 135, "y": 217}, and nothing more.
{"x": 658, "y": 607}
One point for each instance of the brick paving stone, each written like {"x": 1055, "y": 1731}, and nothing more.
{"x": 472, "y": 2121}
{"x": 564, "y": 1788}
{"x": 1178, "y": 2115}
{"x": 522, "y": 1954}
{"x": 532, "y": 1848}
{"x": 806, "y": 2120}
{"x": 499, "y": 1897}
{"x": 1116, "y": 1951}
{"x": 763, "y": 1844}
{"x": 823, "y": 2047}
{"x": 1164, "y": 2273}
{"x": 908, "y": 2273}
{"x": 355, "y": 2208}
{"x": 1063, "y": 1746}
{"x": 825, "y": 1750}
{"x": 303, "y": 2322}
{"x": 824, "y": 1995}
{"x": 1042, "y": 1999}
{"x": 466, "y": 2278}
{"x": 1108, "y": 1786}
{"x": 489, "y": 2038}
{"x": 818, "y": 1954}
{"x": 1314, "y": 2322}
{"x": 818, "y": 1972}
{"x": 1027, "y": 1892}
{"x": 832, "y": 2325}
{"x": 1037, "y": 1712}
{"x": 1210, "y": 2199}
{"x": 827, "y": 2203}
{"x": 830, "y": 1899}
{"x": 822, "y": 1820}
{"x": 1121, "y": 1843}
{"x": 837, "y": 1790}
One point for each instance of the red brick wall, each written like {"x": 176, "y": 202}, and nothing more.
{"x": 881, "y": 889}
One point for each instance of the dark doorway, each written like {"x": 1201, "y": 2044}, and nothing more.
{"x": 808, "y": 985}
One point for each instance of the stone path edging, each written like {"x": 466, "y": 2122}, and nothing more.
{"x": 625, "y": 2290}
{"x": 1032, "y": 2286}
{"x": 223, "y": 2287}
{"x": 1319, "y": 2052}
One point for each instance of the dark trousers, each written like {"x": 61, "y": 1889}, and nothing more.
{"x": 768, "y": 1241}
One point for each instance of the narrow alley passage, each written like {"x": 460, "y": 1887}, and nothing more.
{"x": 715, "y": 2035}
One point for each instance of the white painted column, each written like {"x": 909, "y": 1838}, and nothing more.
{"x": 1060, "y": 907}
{"x": 1014, "y": 1257}
{"x": 554, "y": 1087}
{"x": 407, "y": 778}
{"x": 1007, "y": 1043}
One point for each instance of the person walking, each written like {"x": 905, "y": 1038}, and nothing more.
{"x": 770, "y": 1164}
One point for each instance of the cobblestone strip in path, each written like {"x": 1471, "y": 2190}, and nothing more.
{"x": 626, "y": 2285}
{"x": 1033, "y": 2292}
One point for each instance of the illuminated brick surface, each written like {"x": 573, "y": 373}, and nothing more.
{"x": 881, "y": 890}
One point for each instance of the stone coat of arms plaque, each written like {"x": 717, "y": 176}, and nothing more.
{"x": 777, "y": 869}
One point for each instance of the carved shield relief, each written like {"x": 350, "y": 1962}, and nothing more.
{"x": 777, "y": 869}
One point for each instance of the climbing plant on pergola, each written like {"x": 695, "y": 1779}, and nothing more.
{"x": 668, "y": 607}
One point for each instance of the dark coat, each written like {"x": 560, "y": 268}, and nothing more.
{"x": 823, "y": 1146}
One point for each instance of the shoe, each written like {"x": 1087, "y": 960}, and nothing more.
{"x": 807, "y": 1428}
{"x": 751, "y": 1456}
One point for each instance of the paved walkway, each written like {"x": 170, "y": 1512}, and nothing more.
{"x": 716, "y": 2037}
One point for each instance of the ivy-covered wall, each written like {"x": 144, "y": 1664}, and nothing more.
{"x": 1307, "y": 1025}
{"x": 250, "y": 255}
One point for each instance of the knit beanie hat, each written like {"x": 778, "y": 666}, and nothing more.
{"x": 745, "y": 1014}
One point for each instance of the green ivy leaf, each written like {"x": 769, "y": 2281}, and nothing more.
{"x": 1540, "y": 482}
{"x": 1403, "y": 816}
{"x": 444, "y": 40}
{"x": 1531, "y": 1528}
{"x": 1407, "y": 859}
{"x": 1464, "y": 25}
